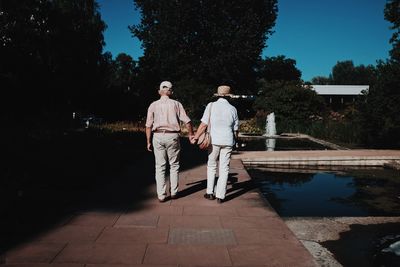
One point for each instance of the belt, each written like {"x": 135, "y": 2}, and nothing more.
{"x": 165, "y": 131}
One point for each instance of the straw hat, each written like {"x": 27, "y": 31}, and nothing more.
{"x": 223, "y": 90}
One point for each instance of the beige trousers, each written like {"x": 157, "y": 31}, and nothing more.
{"x": 166, "y": 150}
{"x": 224, "y": 155}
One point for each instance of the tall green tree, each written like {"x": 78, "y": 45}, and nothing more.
{"x": 51, "y": 51}
{"x": 278, "y": 68}
{"x": 121, "y": 98}
{"x": 345, "y": 73}
{"x": 380, "y": 109}
{"x": 321, "y": 80}
{"x": 293, "y": 104}
{"x": 392, "y": 14}
{"x": 204, "y": 41}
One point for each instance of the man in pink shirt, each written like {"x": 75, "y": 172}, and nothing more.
{"x": 163, "y": 122}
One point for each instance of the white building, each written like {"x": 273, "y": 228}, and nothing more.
{"x": 337, "y": 96}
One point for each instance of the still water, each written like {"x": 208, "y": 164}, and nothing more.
{"x": 361, "y": 192}
{"x": 278, "y": 144}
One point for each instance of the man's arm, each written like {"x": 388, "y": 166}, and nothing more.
{"x": 149, "y": 124}
{"x": 148, "y": 137}
{"x": 189, "y": 126}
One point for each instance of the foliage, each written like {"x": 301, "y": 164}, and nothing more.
{"x": 120, "y": 98}
{"x": 121, "y": 126}
{"x": 345, "y": 73}
{"x": 278, "y": 68}
{"x": 321, "y": 80}
{"x": 187, "y": 92}
{"x": 251, "y": 126}
{"x": 54, "y": 47}
{"x": 392, "y": 14}
{"x": 291, "y": 102}
{"x": 202, "y": 43}
{"x": 380, "y": 109}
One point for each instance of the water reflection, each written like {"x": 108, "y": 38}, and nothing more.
{"x": 270, "y": 144}
{"x": 350, "y": 193}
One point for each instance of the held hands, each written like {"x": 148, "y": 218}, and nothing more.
{"x": 193, "y": 139}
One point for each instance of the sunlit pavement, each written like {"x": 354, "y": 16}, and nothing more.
{"x": 355, "y": 157}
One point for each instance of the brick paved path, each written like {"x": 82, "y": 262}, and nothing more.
{"x": 189, "y": 231}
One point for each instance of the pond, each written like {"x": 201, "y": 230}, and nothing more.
{"x": 277, "y": 144}
{"x": 352, "y": 192}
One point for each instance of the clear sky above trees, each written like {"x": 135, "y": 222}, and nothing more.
{"x": 315, "y": 33}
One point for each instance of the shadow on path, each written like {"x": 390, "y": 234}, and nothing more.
{"x": 48, "y": 180}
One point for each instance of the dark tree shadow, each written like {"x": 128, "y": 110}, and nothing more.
{"x": 48, "y": 180}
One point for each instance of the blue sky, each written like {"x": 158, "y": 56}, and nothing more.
{"x": 316, "y": 33}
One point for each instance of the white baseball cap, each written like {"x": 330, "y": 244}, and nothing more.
{"x": 165, "y": 85}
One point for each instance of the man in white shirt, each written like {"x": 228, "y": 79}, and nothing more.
{"x": 224, "y": 122}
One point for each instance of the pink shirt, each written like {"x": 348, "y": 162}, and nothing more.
{"x": 165, "y": 114}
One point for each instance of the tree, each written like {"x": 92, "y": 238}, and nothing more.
{"x": 278, "y": 68}
{"x": 345, "y": 73}
{"x": 55, "y": 47}
{"x": 293, "y": 104}
{"x": 121, "y": 99}
{"x": 321, "y": 80}
{"x": 392, "y": 14}
{"x": 207, "y": 42}
{"x": 379, "y": 110}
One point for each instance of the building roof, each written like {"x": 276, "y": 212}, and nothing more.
{"x": 339, "y": 89}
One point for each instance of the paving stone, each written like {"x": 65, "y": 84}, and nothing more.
{"x": 271, "y": 255}
{"x": 201, "y": 210}
{"x": 70, "y": 233}
{"x": 202, "y": 236}
{"x": 187, "y": 254}
{"x": 159, "y": 209}
{"x": 133, "y": 235}
{"x": 94, "y": 219}
{"x": 189, "y": 222}
{"x": 137, "y": 220}
{"x": 256, "y": 212}
{"x": 135, "y": 265}
{"x": 123, "y": 253}
{"x": 252, "y": 222}
{"x": 245, "y": 236}
{"x": 130, "y": 265}
{"x": 195, "y": 201}
{"x": 34, "y": 252}
{"x": 44, "y": 265}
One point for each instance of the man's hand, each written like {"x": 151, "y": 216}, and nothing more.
{"x": 149, "y": 147}
{"x": 148, "y": 138}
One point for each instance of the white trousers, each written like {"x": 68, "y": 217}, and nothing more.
{"x": 224, "y": 155}
{"x": 166, "y": 148}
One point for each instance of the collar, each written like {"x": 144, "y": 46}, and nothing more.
{"x": 221, "y": 99}
{"x": 164, "y": 97}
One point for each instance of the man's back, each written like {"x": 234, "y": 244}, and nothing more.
{"x": 165, "y": 114}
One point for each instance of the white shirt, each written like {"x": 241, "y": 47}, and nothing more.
{"x": 224, "y": 121}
